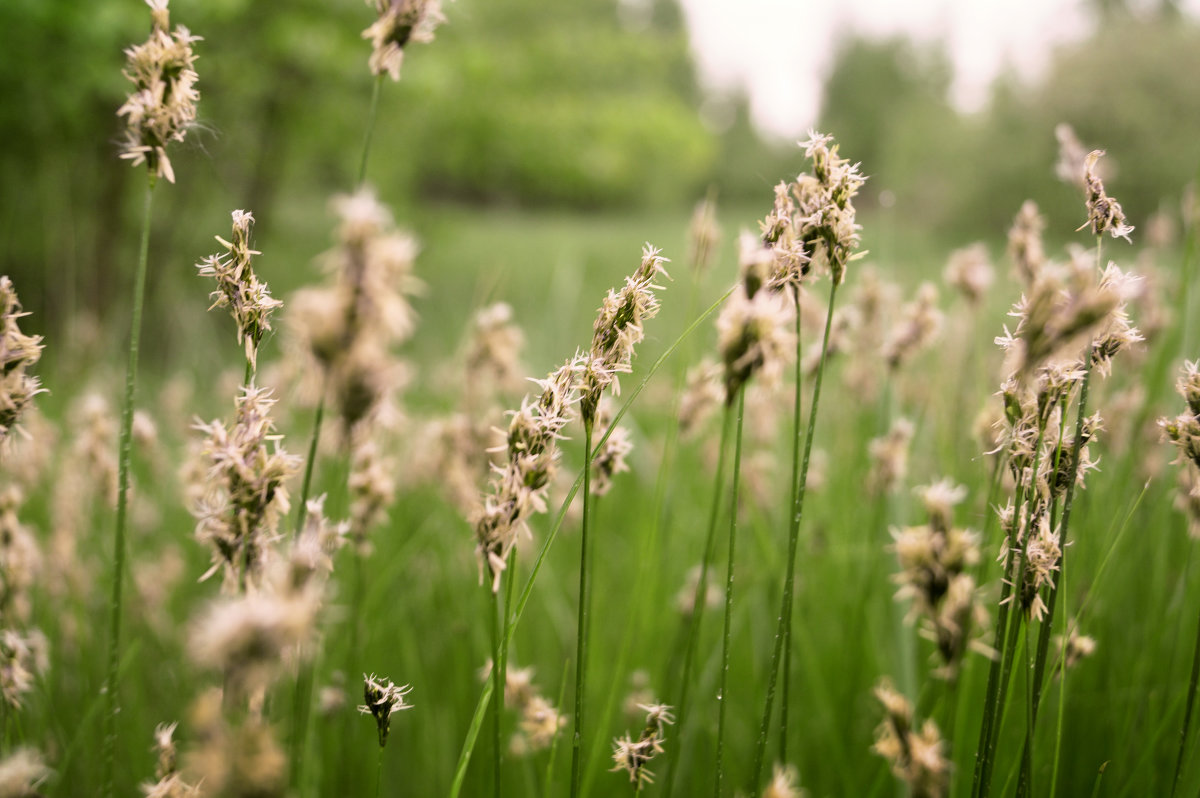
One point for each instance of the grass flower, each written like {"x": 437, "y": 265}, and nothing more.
{"x": 632, "y": 755}
{"x": 400, "y": 22}
{"x": 169, "y": 782}
{"x": 382, "y": 700}
{"x": 916, "y": 756}
{"x": 1104, "y": 212}
{"x": 238, "y": 287}
{"x": 970, "y": 272}
{"x": 247, "y": 493}
{"x": 22, "y": 771}
{"x": 784, "y": 783}
{"x": 17, "y": 353}
{"x": 618, "y": 329}
{"x": 162, "y": 105}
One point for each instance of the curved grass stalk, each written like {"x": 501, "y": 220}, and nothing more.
{"x": 722, "y": 696}
{"x": 125, "y": 452}
{"x": 785, "y": 615}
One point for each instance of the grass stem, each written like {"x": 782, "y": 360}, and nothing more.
{"x": 125, "y": 446}
{"x": 722, "y": 691}
{"x": 785, "y": 610}
{"x": 581, "y": 628}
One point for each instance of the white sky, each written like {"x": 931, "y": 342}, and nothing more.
{"x": 780, "y": 50}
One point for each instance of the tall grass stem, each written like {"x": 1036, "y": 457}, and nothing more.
{"x": 722, "y": 691}
{"x": 125, "y": 446}
{"x": 785, "y": 615}
{"x": 581, "y": 629}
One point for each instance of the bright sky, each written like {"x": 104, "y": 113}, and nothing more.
{"x": 781, "y": 49}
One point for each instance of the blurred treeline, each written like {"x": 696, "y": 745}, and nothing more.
{"x": 587, "y": 105}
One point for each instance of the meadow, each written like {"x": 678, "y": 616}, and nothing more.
{"x": 178, "y": 619}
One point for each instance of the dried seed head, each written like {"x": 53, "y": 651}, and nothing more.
{"x": 383, "y": 699}
{"x": 162, "y": 105}
{"x": 1104, "y": 212}
{"x": 400, "y": 22}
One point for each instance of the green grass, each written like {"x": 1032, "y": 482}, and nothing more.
{"x": 425, "y": 618}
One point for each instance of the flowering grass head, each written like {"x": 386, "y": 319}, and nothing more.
{"x": 162, "y": 105}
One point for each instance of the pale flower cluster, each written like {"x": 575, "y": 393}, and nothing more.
{"x": 1184, "y": 432}
{"x": 632, "y": 755}
{"x": 163, "y": 104}
{"x": 17, "y": 353}
{"x": 400, "y": 22}
{"x": 238, "y": 287}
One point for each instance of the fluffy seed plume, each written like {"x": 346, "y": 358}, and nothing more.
{"x": 163, "y": 103}
{"x": 1184, "y": 432}
{"x": 238, "y": 287}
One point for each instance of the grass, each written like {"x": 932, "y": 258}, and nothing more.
{"x": 421, "y": 609}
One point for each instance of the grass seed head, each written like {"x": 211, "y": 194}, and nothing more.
{"x": 398, "y": 23}
{"x": 1104, "y": 212}
{"x": 383, "y": 699}
{"x": 162, "y": 105}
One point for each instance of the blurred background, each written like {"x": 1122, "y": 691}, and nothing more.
{"x": 531, "y": 137}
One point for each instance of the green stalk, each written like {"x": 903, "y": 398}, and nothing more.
{"x": 1062, "y": 691}
{"x": 700, "y": 594}
{"x": 379, "y": 773}
{"x": 468, "y": 747}
{"x": 785, "y": 616}
{"x": 1043, "y": 645}
{"x": 581, "y": 628}
{"x": 1187, "y": 714}
{"x": 497, "y": 689}
{"x": 722, "y": 697}
{"x": 794, "y": 483}
{"x": 562, "y": 689}
{"x": 124, "y": 454}
{"x": 1001, "y": 667}
{"x": 371, "y": 114}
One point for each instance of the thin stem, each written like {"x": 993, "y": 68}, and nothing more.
{"x": 785, "y": 615}
{"x": 700, "y": 594}
{"x": 313, "y": 441}
{"x": 124, "y": 456}
{"x": 1001, "y": 667}
{"x": 379, "y": 773}
{"x": 1187, "y": 713}
{"x": 497, "y": 689}
{"x": 371, "y": 114}
{"x": 795, "y": 482}
{"x": 582, "y": 621}
{"x": 562, "y": 689}
{"x": 728, "y": 633}
{"x": 1062, "y": 691}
